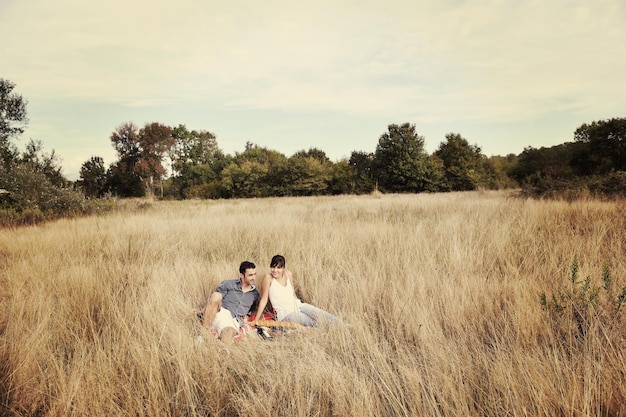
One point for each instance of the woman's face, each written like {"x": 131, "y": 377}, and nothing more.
{"x": 277, "y": 271}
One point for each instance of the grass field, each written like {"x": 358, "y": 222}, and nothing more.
{"x": 439, "y": 295}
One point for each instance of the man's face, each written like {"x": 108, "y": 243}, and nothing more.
{"x": 249, "y": 276}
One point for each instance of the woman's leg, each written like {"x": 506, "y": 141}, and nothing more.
{"x": 301, "y": 318}
{"x": 317, "y": 314}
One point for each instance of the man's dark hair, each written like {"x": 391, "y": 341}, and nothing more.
{"x": 278, "y": 260}
{"x": 246, "y": 265}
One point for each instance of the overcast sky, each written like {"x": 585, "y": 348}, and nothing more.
{"x": 291, "y": 75}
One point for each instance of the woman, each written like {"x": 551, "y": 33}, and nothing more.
{"x": 277, "y": 286}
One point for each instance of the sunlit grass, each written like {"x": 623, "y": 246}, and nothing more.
{"x": 439, "y": 295}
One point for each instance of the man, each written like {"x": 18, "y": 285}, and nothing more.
{"x": 226, "y": 308}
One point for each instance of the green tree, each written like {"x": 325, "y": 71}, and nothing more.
{"x": 245, "y": 180}
{"x": 13, "y": 119}
{"x": 308, "y": 176}
{"x": 401, "y": 163}
{"x": 196, "y": 161}
{"x": 35, "y": 187}
{"x": 124, "y": 178}
{"x": 259, "y": 154}
{"x": 362, "y": 164}
{"x": 32, "y": 191}
{"x": 13, "y": 115}
{"x": 503, "y": 166}
{"x": 194, "y": 148}
{"x": 123, "y": 181}
{"x": 435, "y": 180}
{"x": 464, "y": 165}
{"x": 275, "y": 180}
{"x": 309, "y": 172}
{"x": 277, "y": 175}
{"x": 32, "y": 184}
{"x": 604, "y": 147}
{"x": 93, "y": 177}
{"x": 314, "y": 153}
{"x": 342, "y": 178}
{"x": 552, "y": 162}
{"x": 47, "y": 163}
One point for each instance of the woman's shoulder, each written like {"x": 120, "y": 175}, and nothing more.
{"x": 266, "y": 281}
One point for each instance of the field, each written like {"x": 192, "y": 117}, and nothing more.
{"x": 459, "y": 304}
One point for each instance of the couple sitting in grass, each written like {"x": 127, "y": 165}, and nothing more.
{"x": 227, "y": 308}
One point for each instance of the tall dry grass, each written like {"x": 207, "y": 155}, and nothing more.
{"x": 438, "y": 294}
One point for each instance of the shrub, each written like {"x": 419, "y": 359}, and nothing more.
{"x": 29, "y": 197}
{"x": 610, "y": 186}
{"x": 580, "y": 306}
{"x": 614, "y": 184}
{"x": 211, "y": 190}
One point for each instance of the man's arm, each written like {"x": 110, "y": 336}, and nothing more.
{"x": 223, "y": 288}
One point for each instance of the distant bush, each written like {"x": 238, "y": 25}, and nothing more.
{"x": 613, "y": 184}
{"x": 211, "y": 190}
{"x": 610, "y": 186}
{"x": 28, "y": 197}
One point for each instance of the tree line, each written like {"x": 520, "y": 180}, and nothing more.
{"x": 592, "y": 165}
{"x": 178, "y": 163}
{"x": 200, "y": 169}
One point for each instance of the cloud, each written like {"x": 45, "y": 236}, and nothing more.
{"x": 282, "y": 54}
{"x": 436, "y": 62}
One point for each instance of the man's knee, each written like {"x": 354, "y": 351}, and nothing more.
{"x": 210, "y": 309}
{"x": 228, "y": 334}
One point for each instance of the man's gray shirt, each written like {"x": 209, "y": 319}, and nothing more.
{"x": 236, "y": 301}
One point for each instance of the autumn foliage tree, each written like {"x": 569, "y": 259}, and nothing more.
{"x": 155, "y": 141}
{"x": 141, "y": 155}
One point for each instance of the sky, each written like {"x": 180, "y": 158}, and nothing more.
{"x": 292, "y": 75}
